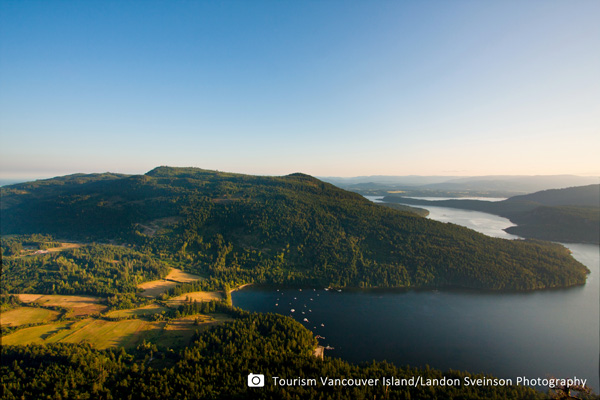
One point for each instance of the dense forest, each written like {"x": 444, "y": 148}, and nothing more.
{"x": 216, "y": 366}
{"x": 569, "y": 215}
{"x": 92, "y": 269}
{"x": 294, "y": 230}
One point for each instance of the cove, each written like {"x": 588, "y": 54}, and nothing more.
{"x": 552, "y": 333}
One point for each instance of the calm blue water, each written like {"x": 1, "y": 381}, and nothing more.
{"x": 537, "y": 334}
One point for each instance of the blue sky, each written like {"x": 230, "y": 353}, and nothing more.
{"x": 329, "y": 88}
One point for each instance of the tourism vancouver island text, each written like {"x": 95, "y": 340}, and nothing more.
{"x": 416, "y": 381}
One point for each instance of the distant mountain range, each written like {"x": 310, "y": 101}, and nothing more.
{"x": 563, "y": 215}
{"x": 496, "y": 185}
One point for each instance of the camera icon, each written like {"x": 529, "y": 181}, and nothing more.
{"x": 256, "y": 380}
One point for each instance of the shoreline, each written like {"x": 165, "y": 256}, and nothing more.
{"x": 240, "y": 287}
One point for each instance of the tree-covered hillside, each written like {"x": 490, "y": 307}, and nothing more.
{"x": 563, "y": 215}
{"x": 93, "y": 269}
{"x": 582, "y": 196}
{"x": 293, "y": 229}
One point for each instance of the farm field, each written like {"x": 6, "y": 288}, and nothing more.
{"x": 102, "y": 334}
{"x": 27, "y": 315}
{"x": 175, "y": 276}
{"x": 130, "y": 312}
{"x": 198, "y": 296}
{"x": 35, "y": 335}
{"x": 80, "y": 305}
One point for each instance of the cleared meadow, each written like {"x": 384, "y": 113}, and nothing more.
{"x": 198, "y": 296}
{"x": 175, "y": 277}
{"x": 27, "y": 315}
{"x": 80, "y": 305}
{"x": 146, "y": 310}
{"x": 103, "y": 334}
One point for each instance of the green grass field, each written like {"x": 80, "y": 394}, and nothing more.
{"x": 36, "y": 334}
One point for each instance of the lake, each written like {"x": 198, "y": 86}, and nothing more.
{"x": 533, "y": 334}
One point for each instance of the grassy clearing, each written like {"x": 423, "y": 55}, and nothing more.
{"x": 178, "y": 275}
{"x": 199, "y": 296}
{"x": 127, "y": 333}
{"x": 36, "y": 334}
{"x": 103, "y": 334}
{"x": 27, "y": 315}
{"x": 65, "y": 246}
{"x": 29, "y": 251}
{"x": 146, "y": 310}
{"x": 156, "y": 288}
{"x": 80, "y": 305}
{"x": 175, "y": 276}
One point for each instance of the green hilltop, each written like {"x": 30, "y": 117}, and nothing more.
{"x": 294, "y": 230}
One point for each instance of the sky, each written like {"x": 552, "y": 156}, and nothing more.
{"x": 328, "y": 88}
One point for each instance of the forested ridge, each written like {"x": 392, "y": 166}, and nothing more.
{"x": 570, "y": 215}
{"x": 293, "y": 230}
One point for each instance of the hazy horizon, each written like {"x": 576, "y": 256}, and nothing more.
{"x": 331, "y": 89}
{"x": 423, "y": 179}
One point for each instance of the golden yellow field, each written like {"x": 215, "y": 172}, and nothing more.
{"x": 103, "y": 334}
{"x": 27, "y": 315}
{"x": 199, "y": 296}
{"x": 81, "y": 305}
{"x": 175, "y": 276}
{"x": 178, "y": 275}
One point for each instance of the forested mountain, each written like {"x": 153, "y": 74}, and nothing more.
{"x": 293, "y": 229}
{"x": 563, "y": 215}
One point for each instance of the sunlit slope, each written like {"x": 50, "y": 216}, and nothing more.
{"x": 293, "y": 229}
